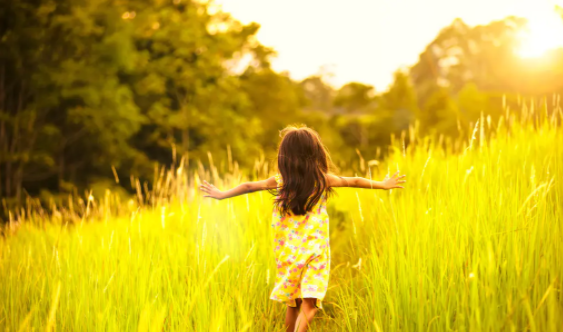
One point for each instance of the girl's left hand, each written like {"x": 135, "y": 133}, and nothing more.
{"x": 211, "y": 190}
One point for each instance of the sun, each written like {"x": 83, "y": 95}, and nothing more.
{"x": 544, "y": 32}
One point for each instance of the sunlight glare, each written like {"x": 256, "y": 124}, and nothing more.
{"x": 544, "y": 33}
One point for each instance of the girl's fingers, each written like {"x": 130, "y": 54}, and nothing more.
{"x": 207, "y": 184}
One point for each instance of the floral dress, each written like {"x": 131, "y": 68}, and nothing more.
{"x": 302, "y": 252}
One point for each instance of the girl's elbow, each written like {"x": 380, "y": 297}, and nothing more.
{"x": 355, "y": 182}
{"x": 250, "y": 187}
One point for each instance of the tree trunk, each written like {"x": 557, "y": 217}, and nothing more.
{"x": 61, "y": 169}
{"x": 2, "y": 122}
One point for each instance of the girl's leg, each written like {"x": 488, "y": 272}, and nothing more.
{"x": 308, "y": 311}
{"x": 291, "y": 316}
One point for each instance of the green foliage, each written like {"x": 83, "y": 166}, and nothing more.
{"x": 90, "y": 85}
{"x": 63, "y": 93}
{"x": 440, "y": 112}
{"x": 319, "y": 95}
{"x": 355, "y": 97}
{"x": 274, "y": 101}
{"x": 128, "y": 83}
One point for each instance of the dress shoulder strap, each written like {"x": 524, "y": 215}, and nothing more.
{"x": 279, "y": 179}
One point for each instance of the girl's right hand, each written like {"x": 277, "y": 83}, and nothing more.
{"x": 211, "y": 190}
{"x": 393, "y": 181}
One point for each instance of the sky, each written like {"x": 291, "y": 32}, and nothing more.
{"x": 366, "y": 40}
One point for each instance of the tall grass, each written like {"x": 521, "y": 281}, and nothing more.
{"x": 474, "y": 243}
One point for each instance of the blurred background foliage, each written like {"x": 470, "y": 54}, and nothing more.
{"x": 91, "y": 90}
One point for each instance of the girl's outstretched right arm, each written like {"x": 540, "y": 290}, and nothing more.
{"x": 241, "y": 189}
{"x": 358, "y": 182}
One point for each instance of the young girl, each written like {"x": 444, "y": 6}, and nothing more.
{"x": 300, "y": 220}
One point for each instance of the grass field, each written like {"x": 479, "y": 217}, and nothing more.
{"x": 473, "y": 243}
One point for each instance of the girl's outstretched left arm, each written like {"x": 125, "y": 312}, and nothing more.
{"x": 392, "y": 182}
{"x": 241, "y": 189}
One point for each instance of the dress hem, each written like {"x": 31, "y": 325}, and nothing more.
{"x": 293, "y": 304}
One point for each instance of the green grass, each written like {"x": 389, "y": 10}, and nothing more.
{"x": 474, "y": 243}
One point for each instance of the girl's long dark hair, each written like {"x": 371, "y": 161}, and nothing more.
{"x": 303, "y": 163}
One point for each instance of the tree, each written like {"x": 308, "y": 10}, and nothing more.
{"x": 355, "y": 98}
{"x": 440, "y": 113}
{"x": 60, "y": 91}
{"x": 461, "y": 54}
{"x": 274, "y": 101}
{"x": 318, "y": 94}
{"x": 184, "y": 87}
{"x": 475, "y": 67}
{"x": 398, "y": 105}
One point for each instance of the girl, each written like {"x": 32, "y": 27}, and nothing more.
{"x": 300, "y": 220}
